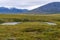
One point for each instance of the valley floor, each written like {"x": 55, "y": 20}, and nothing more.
{"x": 31, "y": 27}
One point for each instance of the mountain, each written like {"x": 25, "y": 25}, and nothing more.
{"x": 53, "y": 7}
{"x": 12, "y": 10}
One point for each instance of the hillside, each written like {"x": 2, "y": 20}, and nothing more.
{"x": 53, "y": 7}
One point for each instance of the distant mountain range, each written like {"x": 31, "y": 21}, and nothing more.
{"x": 48, "y": 8}
{"x": 12, "y": 10}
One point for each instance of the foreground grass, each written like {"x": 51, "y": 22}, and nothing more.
{"x": 35, "y": 30}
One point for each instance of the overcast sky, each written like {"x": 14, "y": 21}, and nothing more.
{"x": 27, "y": 4}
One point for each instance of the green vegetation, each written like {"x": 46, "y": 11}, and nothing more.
{"x": 31, "y": 27}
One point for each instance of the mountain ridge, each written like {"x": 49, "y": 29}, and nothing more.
{"x": 53, "y": 7}
{"x": 12, "y": 10}
{"x": 50, "y": 8}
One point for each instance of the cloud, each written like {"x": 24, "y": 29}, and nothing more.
{"x": 27, "y": 4}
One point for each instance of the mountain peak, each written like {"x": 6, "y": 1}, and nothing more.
{"x": 53, "y": 7}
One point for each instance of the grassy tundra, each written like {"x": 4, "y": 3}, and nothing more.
{"x": 31, "y": 27}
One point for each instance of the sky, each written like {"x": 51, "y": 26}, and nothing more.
{"x": 25, "y": 4}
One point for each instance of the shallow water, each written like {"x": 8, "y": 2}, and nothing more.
{"x": 10, "y": 23}
{"x": 51, "y": 23}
